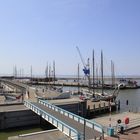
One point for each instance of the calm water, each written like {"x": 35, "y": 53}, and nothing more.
{"x": 132, "y": 95}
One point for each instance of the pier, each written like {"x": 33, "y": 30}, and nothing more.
{"x": 97, "y": 108}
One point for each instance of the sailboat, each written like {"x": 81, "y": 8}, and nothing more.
{"x": 94, "y": 95}
{"x": 51, "y": 91}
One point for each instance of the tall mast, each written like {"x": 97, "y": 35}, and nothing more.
{"x": 78, "y": 79}
{"x": 97, "y": 75}
{"x": 46, "y": 71}
{"x": 54, "y": 72}
{"x": 88, "y": 75}
{"x": 93, "y": 64}
{"x": 31, "y": 71}
{"x": 15, "y": 71}
{"x": 22, "y": 72}
{"x": 49, "y": 74}
{"x": 112, "y": 73}
{"x": 102, "y": 72}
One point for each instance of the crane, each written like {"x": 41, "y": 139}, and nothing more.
{"x": 86, "y": 69}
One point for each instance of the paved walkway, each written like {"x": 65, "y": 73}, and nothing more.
{"x": 105, "y": 120}
{"x": 133, "y": 134}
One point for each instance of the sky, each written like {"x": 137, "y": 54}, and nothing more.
{"x": 37, "y": 32}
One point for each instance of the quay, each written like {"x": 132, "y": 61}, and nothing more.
{"x": 113, "y": 118}
{"x": 16, "y": 115}
{"x": 111, "y": 121}
{"x": 97, "y": 108}
{"x": 76, "y": 84}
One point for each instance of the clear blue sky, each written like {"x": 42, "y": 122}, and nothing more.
{"x": 34, "y": 32}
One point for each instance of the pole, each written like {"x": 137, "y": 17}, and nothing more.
{"x": 110, "y": 113}
{"x": 97, "y": 75}
{"x": 78, "y": 79}
{"x": 31, "y": 73}
{"x": 46, "y": 71}
{"x": 112, "y": 73}
{"x": 54, "y": 72}
{"x": 84, "y": 129}
{"x": 93, "y": 64}
{"x": 88, "y": 75}
{"x": 49, "y": 74}
{"x": 102, "y": 72}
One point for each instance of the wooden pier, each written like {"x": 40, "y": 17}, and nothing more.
{"x": 98, "y": 108}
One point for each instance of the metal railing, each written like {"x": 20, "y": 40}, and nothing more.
{"x": 73, "y": 116}
{"x": 69, "y": 131}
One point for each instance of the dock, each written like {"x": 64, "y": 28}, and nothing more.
{"x": 111, "y": 120}
{"x": 76, "y": 84}
{"x": 97, "y": 108}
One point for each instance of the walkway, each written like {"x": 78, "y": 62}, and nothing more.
{"x": 89, "y": 133}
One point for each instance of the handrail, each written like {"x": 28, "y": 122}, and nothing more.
{"x": 62, "y": 123}
{"x": 89, "y": 123}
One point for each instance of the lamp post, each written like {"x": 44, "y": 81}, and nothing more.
{"x": 110, "y": 113}
{"x": 84, "y": 129}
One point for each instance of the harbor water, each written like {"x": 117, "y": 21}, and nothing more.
{"x": 129, "y": 98}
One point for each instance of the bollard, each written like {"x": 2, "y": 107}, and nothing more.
{"x": 99, "y": 107}
{"x": 118, "y": 104}
{"x": 126, "y": 102}
{"x": 104, "y": 106}
{"x": 94, "y": 106}
{"x": 88, "y": 111}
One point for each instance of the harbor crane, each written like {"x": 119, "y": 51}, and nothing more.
{"x": 86, "y": 68}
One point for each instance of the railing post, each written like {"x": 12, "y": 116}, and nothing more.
{"x": 56, "y": 121}
{"x": 102, "y": 134}
{"x": 104, "y": 104}
{"x": 62, "y": 127}
{"x": 70, "y": 132}
{"x": 93, "y": 125}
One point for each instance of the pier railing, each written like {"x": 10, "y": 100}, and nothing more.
{"x": 88, "y": 123}
{"x": 69, "y": 131}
